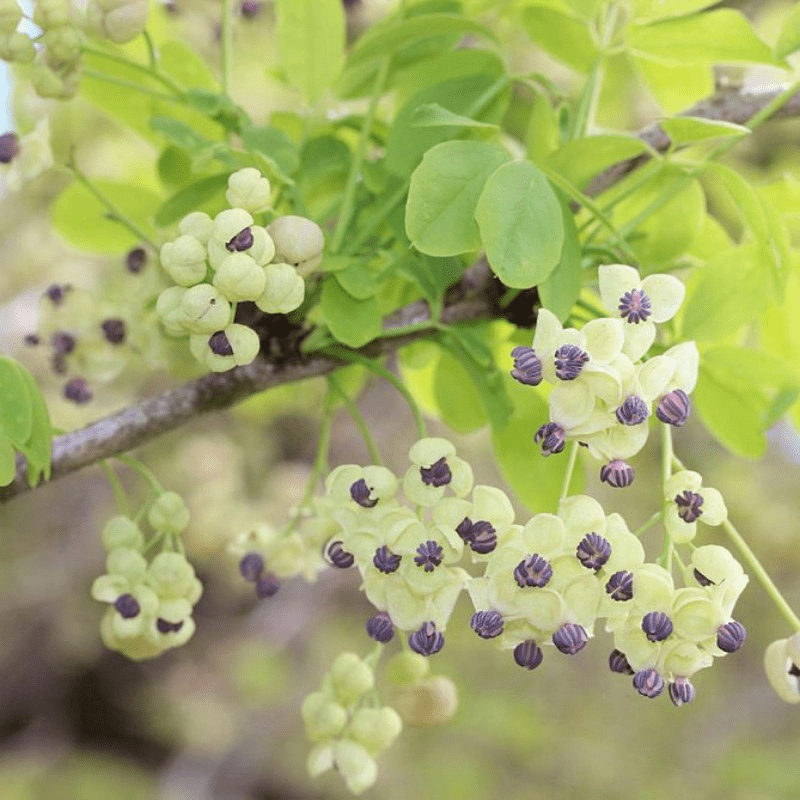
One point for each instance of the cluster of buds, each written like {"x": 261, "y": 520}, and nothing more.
{"x": 117, "y": 20}
{"x": 604, "y": 389}
{"x": 92, "y": 341}
{"x": 217, "y": 263}
{"x": 348, "y": 731}
{"x": 150, "y": 603}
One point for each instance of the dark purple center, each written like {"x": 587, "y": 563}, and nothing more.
{"x": 635, "y": 306}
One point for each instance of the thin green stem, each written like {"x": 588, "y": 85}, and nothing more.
{"x": 116, "y": 486}
{"x": 151, "y": 70}
{"x": 115, "y": 214}
{"x": 132, "y": 85}
{"x": 667, "y": 455}
{"x": 374, "y": 366}
{"x": 579, "y": 197}
{"x": 226, "y": 44}
{"x": 151, "y": 50}
{"x": 645, "y": 526}
{"x": 573, "y": 455}
{"x": 761, "y": 575}
{"x": 361, "y": 424}
{"x": 137, "y": 466}
{"x": 348, "y": 198}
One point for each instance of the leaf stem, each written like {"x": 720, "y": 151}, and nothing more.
{"x": 649, "y": 523}
{"x": 374, "y": 366}
{"x": 116, "y": 486}
{"x": 132, "y": 85}
{"x": 348, "y": 198}
{"x": 226, "y": 44}
{"x": 114, "y": 213}
{"x": 761, "y": 574}
{"x": 151, "y": 70}
{"x": 361, "y": 424}
{"x": 137, "y": 466}
{"x": 573, "y": 455}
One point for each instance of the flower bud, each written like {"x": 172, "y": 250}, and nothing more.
{"x": 380, "y": 628}
{"x": 355, "y": 765}
{"x": 168, "y": 513}
{"x": 184, "y": 260}
{"x": 648, "y": 683}
{"x": 119, "y": 20}
{"x": 351, "y": 678}
{"x": 122, "y": 531}
{"x": 198, "y": 225}
{"x": 203, "y": 309}
{"x": 17, "y": 48}
{"x": 228, "y": 223}
{"x": 168, "y": 310}
{"x": 324, "y": 719}
{"x": 62, "y": 46}
{"x": 570, "y": 638}
{"x": 407, "y": 668}
{"x": 58, "y": 85}
{"x": 284, "y": 290}
{"x": 426, "y": 641}
{"x": 731, "y": 636}
{"x": 238, "y": 277}
{"x": 248, "y": 189}
{"x": 528, "y": 654}
{"x": 551, "y": 437}
{"x": 376, "y": 728}
{"x": 674, "y": 408}
{"x": 298, "y": 241}
{"x": 51, "y": 13}
{"x": 633, "y": 411}
{"x": 617, "y": 662}
{"x": 171, "y": 576}
{"x": 10, "y": 16}
{"x": 681, "y": 691}
{"x": 527, "y": 366}
{"x": 487, "y": 624}
{"x": 617, "y": 473}
{"x": 431, "y": 702}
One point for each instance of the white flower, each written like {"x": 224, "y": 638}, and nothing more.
{"x": 689, "y": 501}
{"x": 641, "y": 303}
{"x": 34, "y": 157}
{"x": 781, "y": 665}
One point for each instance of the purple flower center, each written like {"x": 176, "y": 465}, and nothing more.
{"x": 437, "y": 474}
{"x": 569, "y": 360}
{"x": 429, "y": 555}
{"x": 635, "y": 306}
{"x": 689, "y": 504}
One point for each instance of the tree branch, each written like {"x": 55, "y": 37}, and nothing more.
{"x": 470, "y": 299}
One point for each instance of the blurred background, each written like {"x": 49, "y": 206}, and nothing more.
{"x": 219, "y": 718}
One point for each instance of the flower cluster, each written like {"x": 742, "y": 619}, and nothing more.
{"x": 150, "y": 603}
{"x": 217, "y": 263}
{"x": 90, "y": 340}
{"x": 348, "y": 732}
{"x": 604, "y": 389}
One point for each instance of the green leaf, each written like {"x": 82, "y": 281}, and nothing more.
{"x": 16, "y": 414}
{"x": 582, "y": 159}
{"x": 179, "y": 133}
{"x": 730, "y": 291}
{"x": 674, "y": 86}
{"x": 407, "y": 143}
{"x": 476, "y": 359}
{"x": 8, "y": 462}
{"x": 182, "y": 62}
{"x": 561, "y": 289}
{"x": 729, "y": 413}
{"x": 432, "y": 115}
{"x": 174, "y": 166}
{"x": 363, "y": 278}
{"x": 311, "y": 36}
{"x": 688, "y": 130}
{"x": 789, "y": 37}
{"x": 650, "y": 10}
{"x": 432, "y": 275}
{"x": 458, "y": 405}
{"x": 709, "y": 38}
{"x": 443, "y": 195}
{"x": 521, "y": 224}
{"x": 274, "y": 145}
{"x": 191, "y": 198}
{"x": 353, "y": 322}
{"x": 535, "y": 479}
{"x": 563, "y": 36}
{"x": 84, "y": 221}
{"x": 384, "y": 40}
{"x": 37, "y": 449}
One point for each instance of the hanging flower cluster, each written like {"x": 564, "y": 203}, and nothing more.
{"x": 604, "y": 389}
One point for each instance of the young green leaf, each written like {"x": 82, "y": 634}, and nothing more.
{"x": 789, "y": 37}
{"x": 688, "y": 130}
{"x": 432, "y": 115}
{"x": 191, "y": 198}
{"x": 443, "y": 195}
{"x": 560, "y": 290}
{"x": 37, "y": 449}
{"x": 84, "y": 221}
{"x": 562, "y": 35}
{"x": 16, "y": 414}
{"x": 521, "y": 224}
{"x": 8, "y": 462}
{"x": 712, "y": 37}
{"x": 353, "y": 322}
{"x": 311, "y": 36}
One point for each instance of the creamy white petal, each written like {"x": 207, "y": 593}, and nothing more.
{"x": 547, "y": 336}
{"x": 625, "y": 441}
{"x": 680, "y": 481}
{"x": 654, "y": 375}
{"x": 638, "y": 339}
{"x": 571, "y": 403}
{"x": 615, "y": 280}
{"x": 582, "y": 513}
{"x": 666, "y": 293}
{"x": 680, "y": 531}
{"x": 687, "y": 360}
{"x": 714, "y": 510}
{"x": 603, "y": 339}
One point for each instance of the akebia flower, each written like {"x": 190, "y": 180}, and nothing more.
{"x": 688, "y": 502}
{"x": 782, "y": 665}
{"x": 640, "y": 303}
{"x": 436, "y": 468}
